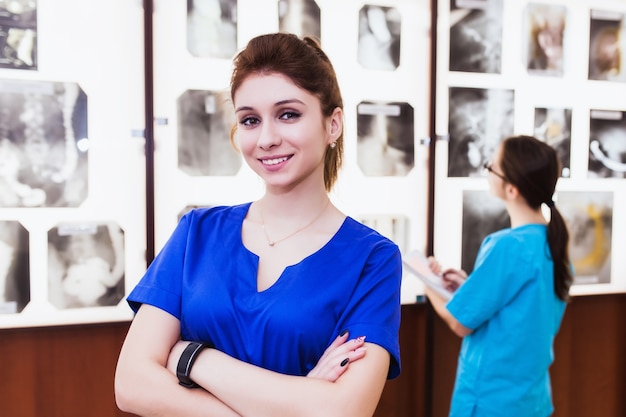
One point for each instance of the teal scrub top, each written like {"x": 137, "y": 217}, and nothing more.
{"x": 509, "y": 302}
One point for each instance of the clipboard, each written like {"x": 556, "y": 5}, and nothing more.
{"x": 417, "y": 265}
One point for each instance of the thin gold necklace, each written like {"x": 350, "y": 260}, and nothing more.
{"x": 271, "y": 242}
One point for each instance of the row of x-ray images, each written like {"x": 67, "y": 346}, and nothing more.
{"x": 385, "y": 134}
{"x": 86, "y": 260}
{"x": 86, "y": 267}
{"x": 475, "y": 34}
{"x": 479, "y": 118}
{"x": 212, "y": 31}
{"x": 43, "y": 145}
{"x": 589, "y": 216}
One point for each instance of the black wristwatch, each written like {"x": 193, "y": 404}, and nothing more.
{"x": 186, "y": 362}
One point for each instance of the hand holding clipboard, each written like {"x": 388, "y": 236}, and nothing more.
{"x": 444, "y": 283}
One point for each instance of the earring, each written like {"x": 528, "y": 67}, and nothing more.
{"x": 333, "y": 145}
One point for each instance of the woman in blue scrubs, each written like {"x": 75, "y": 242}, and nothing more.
{"x": 282, "y": 306}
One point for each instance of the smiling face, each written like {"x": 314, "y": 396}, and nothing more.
{"x": 281, "y": 131}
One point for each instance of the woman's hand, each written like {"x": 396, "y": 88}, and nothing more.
{"x": 337, "y": 357}
{"x": 453, "y": 278}
{"x": 434, "y": 265}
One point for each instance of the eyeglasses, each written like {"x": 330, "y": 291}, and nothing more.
{"x": 488, "y": 168}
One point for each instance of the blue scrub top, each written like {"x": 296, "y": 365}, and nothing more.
{"x": 206, "y": 277}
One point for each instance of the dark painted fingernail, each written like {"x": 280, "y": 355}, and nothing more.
{"x": 345, "y": 362}
{"x": 343, "y": 332}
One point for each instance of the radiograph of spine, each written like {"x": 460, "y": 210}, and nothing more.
{"x": 606, "y": 46}
{"x": 204, "y": 122}
{"x": 589, "y": 216}
{"x": 43, "y": 142}
{"x": 546, "y": 26}
{"x": 478, "y": 121}
{"x": 379, "y": 38}
{"x": 212, "y": 28}
{"x": 18, "y": 34}
{"x": 301, "y": 17}
{"x": 13, "y": 193}
{"x": 86, "y": 265}
{"x": 553, "y": 126}
{"x": 385, "y": 144}
{"x": 607, "y": 146}
{"x": 14, "y": 268}
{"x": 476, "y": 36}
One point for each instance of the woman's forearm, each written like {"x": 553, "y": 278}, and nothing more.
{"x": 143, "y": 384}
{"x": 439, "y": 305}
{"x": 154, "y": 394}
{"x": 253, "y": 391}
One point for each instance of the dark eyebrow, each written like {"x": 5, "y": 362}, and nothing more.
{"x": 238, "y": 109}
{"x": 288, "y": 101}
{"x": 277, "y": 104}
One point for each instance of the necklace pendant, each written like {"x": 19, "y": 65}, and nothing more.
{"x": 269, "y": 242}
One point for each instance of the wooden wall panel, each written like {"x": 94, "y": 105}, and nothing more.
{"x": 589, "y": 371}
{"x": 68, "y": 371}
{"x": 446, "y": 347}
{"x": 60, "y": 371}
{"x": 405, "y": 396}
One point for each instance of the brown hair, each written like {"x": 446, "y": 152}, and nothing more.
{"x": 304, "y": 62}
{"x": 533, "y": 167}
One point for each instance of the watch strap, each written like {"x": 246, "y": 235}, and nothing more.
{"x": 189, "y": 356}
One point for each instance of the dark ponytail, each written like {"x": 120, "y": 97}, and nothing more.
{"x": 558, "y": 239}
{"x": 533, "y": 167}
